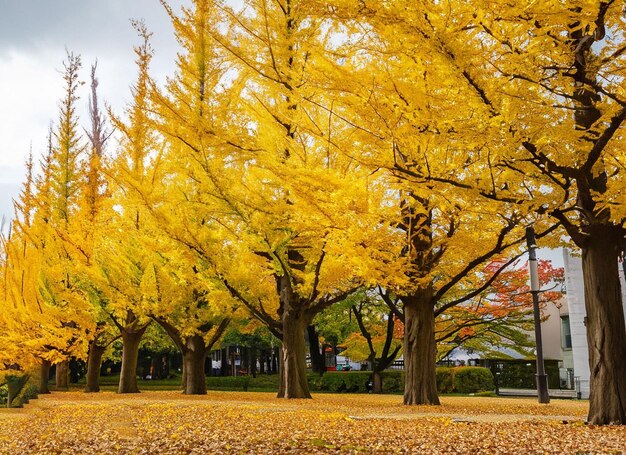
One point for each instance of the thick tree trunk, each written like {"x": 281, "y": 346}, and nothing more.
{"x": 63, "y": 375}
{"x": 94, "y": 362}
{"x": 44, "y": 371}
{"x": 293, "y": 380}
{"x": 130, "y": 354}
{"x": 419, "y": 354}
{"x": 606, "y": 331}
{"x": 194, "y": 358}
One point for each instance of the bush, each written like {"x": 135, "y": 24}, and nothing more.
{"x": 393, "y": 381}
{"x": 445, "y": 381}
{"x": 521, "y": 374}
{"x": 472, "y": 379}
{"x": 345, "y": 381}
{"x": 228, "y": 382}
{"x": 356, "y": 381}
{"x": 4, "y": 394}
{"x": 263, "y": 382}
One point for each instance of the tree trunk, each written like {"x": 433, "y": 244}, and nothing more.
{"x": 293, "y": 380}
{"x": 130, "y": 354}
{"x": 224, "y": 367}
{"x": 45, "y": 376}
{"x": 606, "y": 331}
{"x": 378, "y": 382}
{"x": 194, "y": 358}
{"x": 94, "y": 362}
{"x": 275, "y": 360}
{"x": 183, "y": 376}
{"x": 63, "y": 375}
{"x": 420, "y": 385}
{"x": 317, "y": 357}
{"x": 262, "y": 360}
{"x": 208, "y": 369}
{"x": 253, "y": 356}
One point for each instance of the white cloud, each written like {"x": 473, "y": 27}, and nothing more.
{"x": 34, "y": 36}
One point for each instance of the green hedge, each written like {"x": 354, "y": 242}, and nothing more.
{"x": 445, "y": 379}
{"x": 449, "y": 380}
{"x": 345, "y": 381}
{"x": 472, "y": 379}
{"x": 521, "y": 374}
{"x": 4, "y": 394}
{"x": 228, "y": 382}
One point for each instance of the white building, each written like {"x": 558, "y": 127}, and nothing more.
{"x": 576, "y": 311}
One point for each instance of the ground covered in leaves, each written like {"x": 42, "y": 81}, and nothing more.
{"x": 230, "y": 422}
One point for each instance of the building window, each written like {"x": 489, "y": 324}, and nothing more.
{"x": 566, "y": 334}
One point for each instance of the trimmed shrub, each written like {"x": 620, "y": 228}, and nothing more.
{"x": 393, "y": 381}
{"x": 445, "y": 381}
{"x": 345, "y": 381}
{"x": 473, "y": 379}
{"x": 263, "y": 382}
{"x": 356, "y": 381}
{"x": 4, "y": 395}
{"x": 228, "y": 382}
{"x": 521, "y": 374}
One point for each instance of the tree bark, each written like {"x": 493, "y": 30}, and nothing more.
{"x": 420, "y": 385}
{"x": 63, "y": 375}
{"x": 45, "y": 376}
{"x": 606, "y": 330}
{"x": 94, "y": 362}
{"x": 194, "y": 358}
{"x": 130, "y": 354}
{"x": 293, "y": 380}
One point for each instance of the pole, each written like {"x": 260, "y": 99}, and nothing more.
{"x": 541, "y": 377}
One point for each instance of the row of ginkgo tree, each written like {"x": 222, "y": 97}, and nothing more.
{"x": 303, "y": 150}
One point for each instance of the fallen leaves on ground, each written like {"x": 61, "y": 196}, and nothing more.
{"x": 228, "y": 422}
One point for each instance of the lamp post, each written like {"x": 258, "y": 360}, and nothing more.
{"x": 541, "y": 377}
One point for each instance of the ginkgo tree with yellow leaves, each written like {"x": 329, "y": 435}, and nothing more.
{"x": 278, "y": 215}
{"x": 122, "y": 260}
{"x": 49, "y": 315}
{"x": 303, "y": 150}
{"x": 529, "y": 99}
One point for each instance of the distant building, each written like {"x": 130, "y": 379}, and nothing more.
{"x": 576, "y": 317}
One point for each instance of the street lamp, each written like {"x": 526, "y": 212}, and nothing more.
{"x": 541, "y": 377}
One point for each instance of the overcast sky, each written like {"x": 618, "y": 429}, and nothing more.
{"x": 34, "y": 36}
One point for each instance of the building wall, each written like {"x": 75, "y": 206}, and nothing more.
{"x": 551, "y": 332}
{"x": 576, "y": 307}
